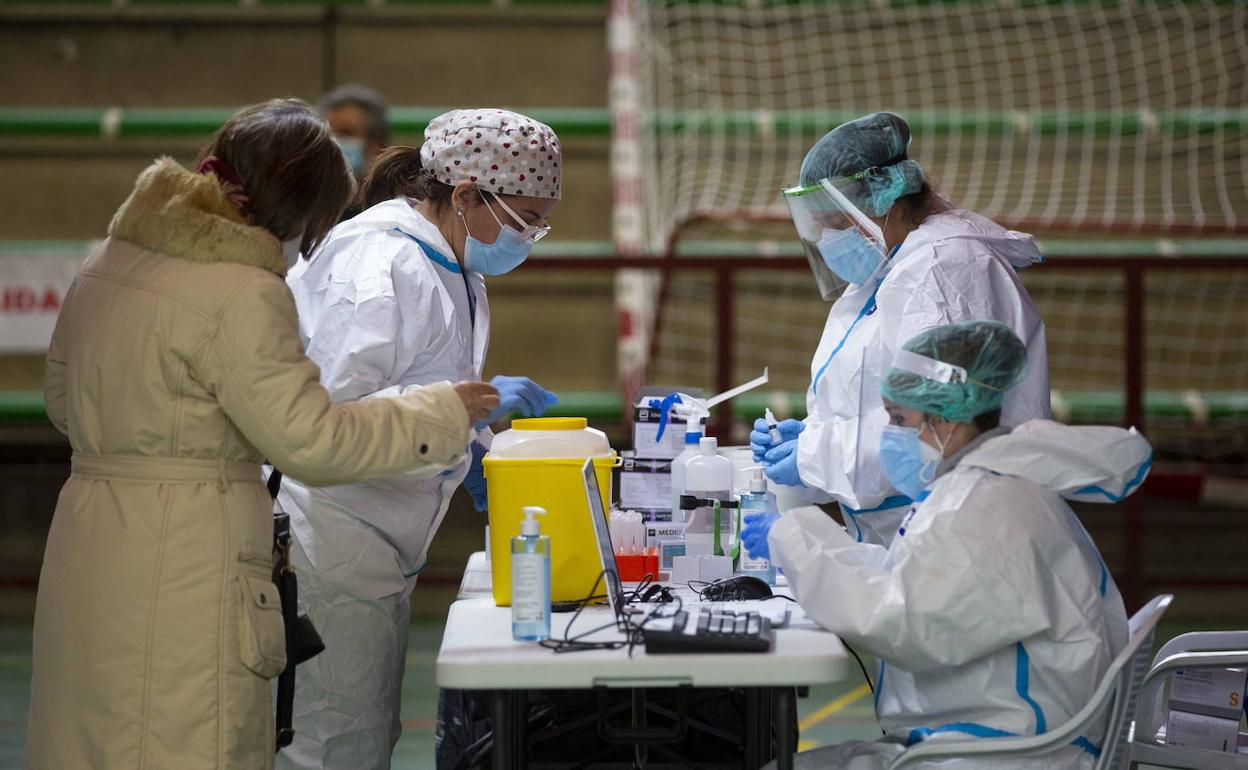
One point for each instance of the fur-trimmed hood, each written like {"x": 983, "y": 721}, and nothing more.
{"x": 183, "y": 214}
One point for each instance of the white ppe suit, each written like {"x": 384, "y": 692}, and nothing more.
{"x": 991, "y": 612}
{"x": 383, "y": 305}
{"x": 956, "y": 266}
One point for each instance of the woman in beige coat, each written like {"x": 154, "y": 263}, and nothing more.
{"x": 175, "y": 369}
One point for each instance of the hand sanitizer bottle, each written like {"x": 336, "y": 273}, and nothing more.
{"x": 530, "y": 580}
{"x": 757, "y": 501}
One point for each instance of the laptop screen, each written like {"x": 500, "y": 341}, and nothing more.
{"x": 602, "y": 533}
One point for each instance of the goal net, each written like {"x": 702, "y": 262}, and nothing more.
{"x": 1090, "y": 119}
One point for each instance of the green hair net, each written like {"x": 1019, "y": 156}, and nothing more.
{"x": 875, "y": 140}
{"x": 992, "y": 355}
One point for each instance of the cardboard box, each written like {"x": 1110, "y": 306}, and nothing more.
{"x": 645, "y": 483}
{"x": 1211, "y": 692}
{"x": 646, "y": 419}
{"x": 1202, "y": 732}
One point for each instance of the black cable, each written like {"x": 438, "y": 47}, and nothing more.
{"x": 862, "y": 666}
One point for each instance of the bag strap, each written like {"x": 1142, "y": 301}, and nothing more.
{"x": 275, "y": 483}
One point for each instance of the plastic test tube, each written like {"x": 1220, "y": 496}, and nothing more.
{"x": 776, "y": 438}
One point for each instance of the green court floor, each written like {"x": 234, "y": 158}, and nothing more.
{"x": 829, "y": 715}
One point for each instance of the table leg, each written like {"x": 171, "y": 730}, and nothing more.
{"x": 507, "y": 739}
{"x": 784, "y": 709}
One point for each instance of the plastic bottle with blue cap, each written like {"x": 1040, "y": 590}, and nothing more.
{"x": 757, "y": 500}
{"x": 530, "y": 580}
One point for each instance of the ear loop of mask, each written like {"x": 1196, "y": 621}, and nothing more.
{"x": 927, "y": 422}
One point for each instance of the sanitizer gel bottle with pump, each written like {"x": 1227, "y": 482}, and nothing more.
{"x": 530, "y": 580}
{"x": 757, "y": 501}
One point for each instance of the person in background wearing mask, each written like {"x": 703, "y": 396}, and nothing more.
{"x": 396, "y": 297}
{"x": 360, "y": 121}
{"x": 991, "y": 611}
{"x": 175, "y": 369}
{"x": 906, "y": 260}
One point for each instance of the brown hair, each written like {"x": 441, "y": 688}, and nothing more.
{"x": 293, "y": 173}
{"x": 398, "y": 171}
{"x": 918, "y": 205}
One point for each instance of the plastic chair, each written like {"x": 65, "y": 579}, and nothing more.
{"x": 1200, "y": 649}
{"x": 1115, "y": 695}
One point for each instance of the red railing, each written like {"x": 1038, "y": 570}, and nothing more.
{"x": 1133, "y": 270}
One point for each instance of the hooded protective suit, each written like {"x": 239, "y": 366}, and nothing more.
{"x": 382, "y": 306}
{"x": 991, "y": 612}
{"x": 956, "y": 266}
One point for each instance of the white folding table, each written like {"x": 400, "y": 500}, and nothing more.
{"x": 478, "y": 653}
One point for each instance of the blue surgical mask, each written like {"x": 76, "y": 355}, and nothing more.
{"x": 850, "y": 255}
{"x": 505, "y": 254}
{"x": 353, "y": 149}
{"x": 908, "y": 463}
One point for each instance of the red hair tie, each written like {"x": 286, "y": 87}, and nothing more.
{"x": 223, "y": 171}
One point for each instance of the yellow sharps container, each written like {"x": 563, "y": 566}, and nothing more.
{"x": 538, "y": 462}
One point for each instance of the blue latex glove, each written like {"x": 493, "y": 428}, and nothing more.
{"x": 760, "y": 437}
{"x": 754, "y": 536}
{"x": 474, "y": 482}
{"x": 780, "y": 464}
{"x": 522, "y": 395}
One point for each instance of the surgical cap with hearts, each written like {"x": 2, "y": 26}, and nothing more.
{"x": 498, "y": 150}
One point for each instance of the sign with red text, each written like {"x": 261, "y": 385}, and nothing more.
{"x": 32, "y": 289}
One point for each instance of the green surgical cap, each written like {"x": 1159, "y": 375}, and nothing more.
{"x": 875, "y": 140}
{"x": 993, "y": 356}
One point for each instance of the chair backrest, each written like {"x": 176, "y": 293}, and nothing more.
{"x": 1132, "y": 665}
{"x": 1194, "y": 641}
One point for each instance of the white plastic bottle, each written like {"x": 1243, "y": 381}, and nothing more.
{"x": 757, "y": 500}
{"x": 530, "y": 580}
{"x": 693, "y": 435}
{"x": 707, "y": 476}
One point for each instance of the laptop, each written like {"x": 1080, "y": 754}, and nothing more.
{"x": 602, "y": 534}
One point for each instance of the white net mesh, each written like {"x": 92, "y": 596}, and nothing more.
{"x": 1053, "y": 115}
{"x": 1059, "y": 116}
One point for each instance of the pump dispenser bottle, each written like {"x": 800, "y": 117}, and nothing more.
{"x": 530, "y": 580}
{"x": 758, "y": 500}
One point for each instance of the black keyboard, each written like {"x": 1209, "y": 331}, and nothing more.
{"x": 711, "y": 630}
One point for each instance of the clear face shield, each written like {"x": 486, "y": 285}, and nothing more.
{"x": 843, "y": 245}
{"x": 869, "y": 481}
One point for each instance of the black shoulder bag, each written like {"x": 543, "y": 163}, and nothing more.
{"x": 302, "y": 641}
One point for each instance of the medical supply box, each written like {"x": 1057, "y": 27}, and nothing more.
{"x": 1202, "y": 732}
{"x": 538, "y": 463}
{"x": 646, "y": 484}
{"x": 647, "y": 418}
{"x": 1211, "y": 692}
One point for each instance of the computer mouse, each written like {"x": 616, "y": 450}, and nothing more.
{"x": 737, "y": 588}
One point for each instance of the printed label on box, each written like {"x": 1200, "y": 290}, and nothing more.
{"x": 647, "y": 444}
{"x": 1202, "y": 732}
{"x": 1212, "y": 692}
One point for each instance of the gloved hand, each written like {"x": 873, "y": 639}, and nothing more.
{"x": 754, "y": 536}
{"x": 519, "y": 394}
{"x": 474, "y": 482}
{"x": 780, "y": 464}
{"x": 760, "y": 437}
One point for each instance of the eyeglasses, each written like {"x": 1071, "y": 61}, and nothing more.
{"x": 527, "y": 231}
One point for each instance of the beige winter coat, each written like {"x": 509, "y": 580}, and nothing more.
{"x": 175, "y": 368}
